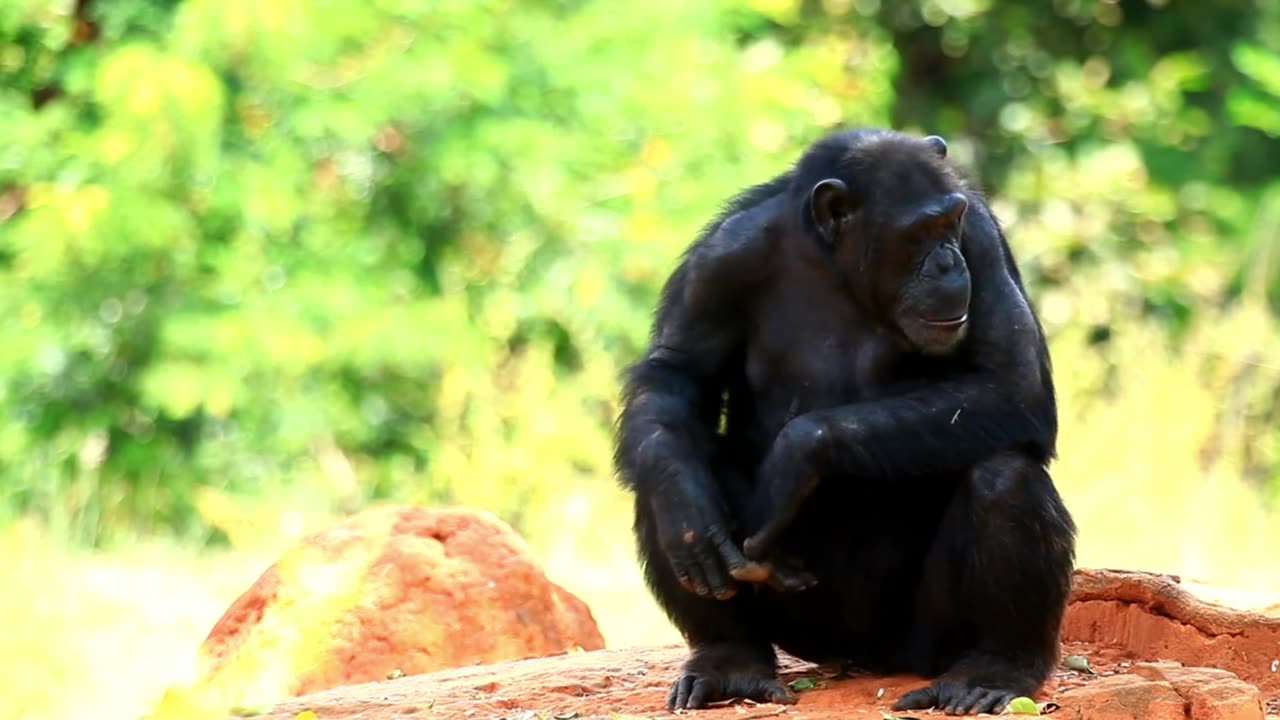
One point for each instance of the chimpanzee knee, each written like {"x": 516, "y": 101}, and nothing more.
{"x": 1007, "y": 481}
{"x": 1019, "y": 514}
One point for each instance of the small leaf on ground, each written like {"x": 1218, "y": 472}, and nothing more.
{"x": 801, "y": 684}
{"x": 250, "y": 710}
{"x": 1079, "y": 663}
{"x": 1024, "y": 706}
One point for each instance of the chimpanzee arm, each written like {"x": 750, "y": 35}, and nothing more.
{"x": 1000, "y": 396}
{"x": 672, "y": 399}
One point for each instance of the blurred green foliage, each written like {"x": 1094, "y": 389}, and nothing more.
{"x": 402, "y": 248}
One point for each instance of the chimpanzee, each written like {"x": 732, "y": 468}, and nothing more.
{"x": 853, "y": 334}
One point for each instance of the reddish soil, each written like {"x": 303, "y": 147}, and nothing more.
{"x": 632, "y": 683}
{"x": 1152, "y": 617}
{"x": 407, "y": 588}
{"x": 1118, "y": 621}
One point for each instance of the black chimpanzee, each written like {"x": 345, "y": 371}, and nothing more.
{"x": 853, "y": 334}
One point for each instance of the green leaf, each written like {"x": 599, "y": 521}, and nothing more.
{"x": 1248, "y": 107}
{"x": 1023, "y": 706}
{"x": 802, "y": 684}
{"x": 1262, "y": 66}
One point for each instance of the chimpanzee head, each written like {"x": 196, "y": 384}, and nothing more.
{"x": 890, "y": 212}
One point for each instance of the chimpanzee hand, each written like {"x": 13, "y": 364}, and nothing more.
{"x": 694, "y": 535}
{"x": 786, "y": 477}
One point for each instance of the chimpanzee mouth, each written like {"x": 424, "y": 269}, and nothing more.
{"x": 946, "y": 323}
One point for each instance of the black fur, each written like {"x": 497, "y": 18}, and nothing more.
{"x": 886, "y": 472}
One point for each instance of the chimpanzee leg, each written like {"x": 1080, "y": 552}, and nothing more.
{"x": 731, "y": 652}
{"x": 994, "y": 589}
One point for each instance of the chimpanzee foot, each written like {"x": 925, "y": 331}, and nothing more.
{"x": 970, "y": 691}
{"x": 956, "y": 699}
{"x": 725, "y": 673}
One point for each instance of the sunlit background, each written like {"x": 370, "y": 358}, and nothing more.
{"x": 266, "y": 263}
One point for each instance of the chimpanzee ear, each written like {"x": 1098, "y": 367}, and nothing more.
{"x": 937, "y": 144}
{"x": 830, "y": 206}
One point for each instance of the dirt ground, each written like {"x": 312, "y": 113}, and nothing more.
{"x": 1118, "y": 621}
{"x": 632, "y": 683}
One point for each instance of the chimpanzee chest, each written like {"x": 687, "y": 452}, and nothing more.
{"x": 810, "y": 359}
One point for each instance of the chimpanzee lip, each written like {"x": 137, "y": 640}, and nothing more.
{"x": 946, "y": 322}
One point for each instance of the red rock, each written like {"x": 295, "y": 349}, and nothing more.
{"x": 1160, "y": 691}
{"x": 1151, "y": 617}
{"x": 1122, "y": 697}
{"x": 1213, "y": 694}
{"x": 397, "y": 589}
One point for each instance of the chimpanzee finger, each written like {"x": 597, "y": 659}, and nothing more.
{"x": 708, "y": 556}
{"x": 790, "y": 579}
{"x": 678, "y": 698}
{"x": 680, "y": 568}
{"x": 687, "y": 568}
{"x": 698, "y": 579}
{"x": 792, "y": 575}
{"x": 922, "y": 699}
{"x": 709, "y": 568}
{"x": 993, "y": 703}
{"x": 700, "y": 694}
{"x": 948, "y": 693}
{"x": 752, "y": 572}
{"x": 733, "y": 559}
{"x": 961, "y": 705}
{"x": 719, "y": 583}
{"x": 760, "y": 544}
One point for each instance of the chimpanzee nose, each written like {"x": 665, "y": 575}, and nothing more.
{"x": 944, "y": 260}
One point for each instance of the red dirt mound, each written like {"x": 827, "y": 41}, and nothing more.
{"x": 395, "y": 590}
